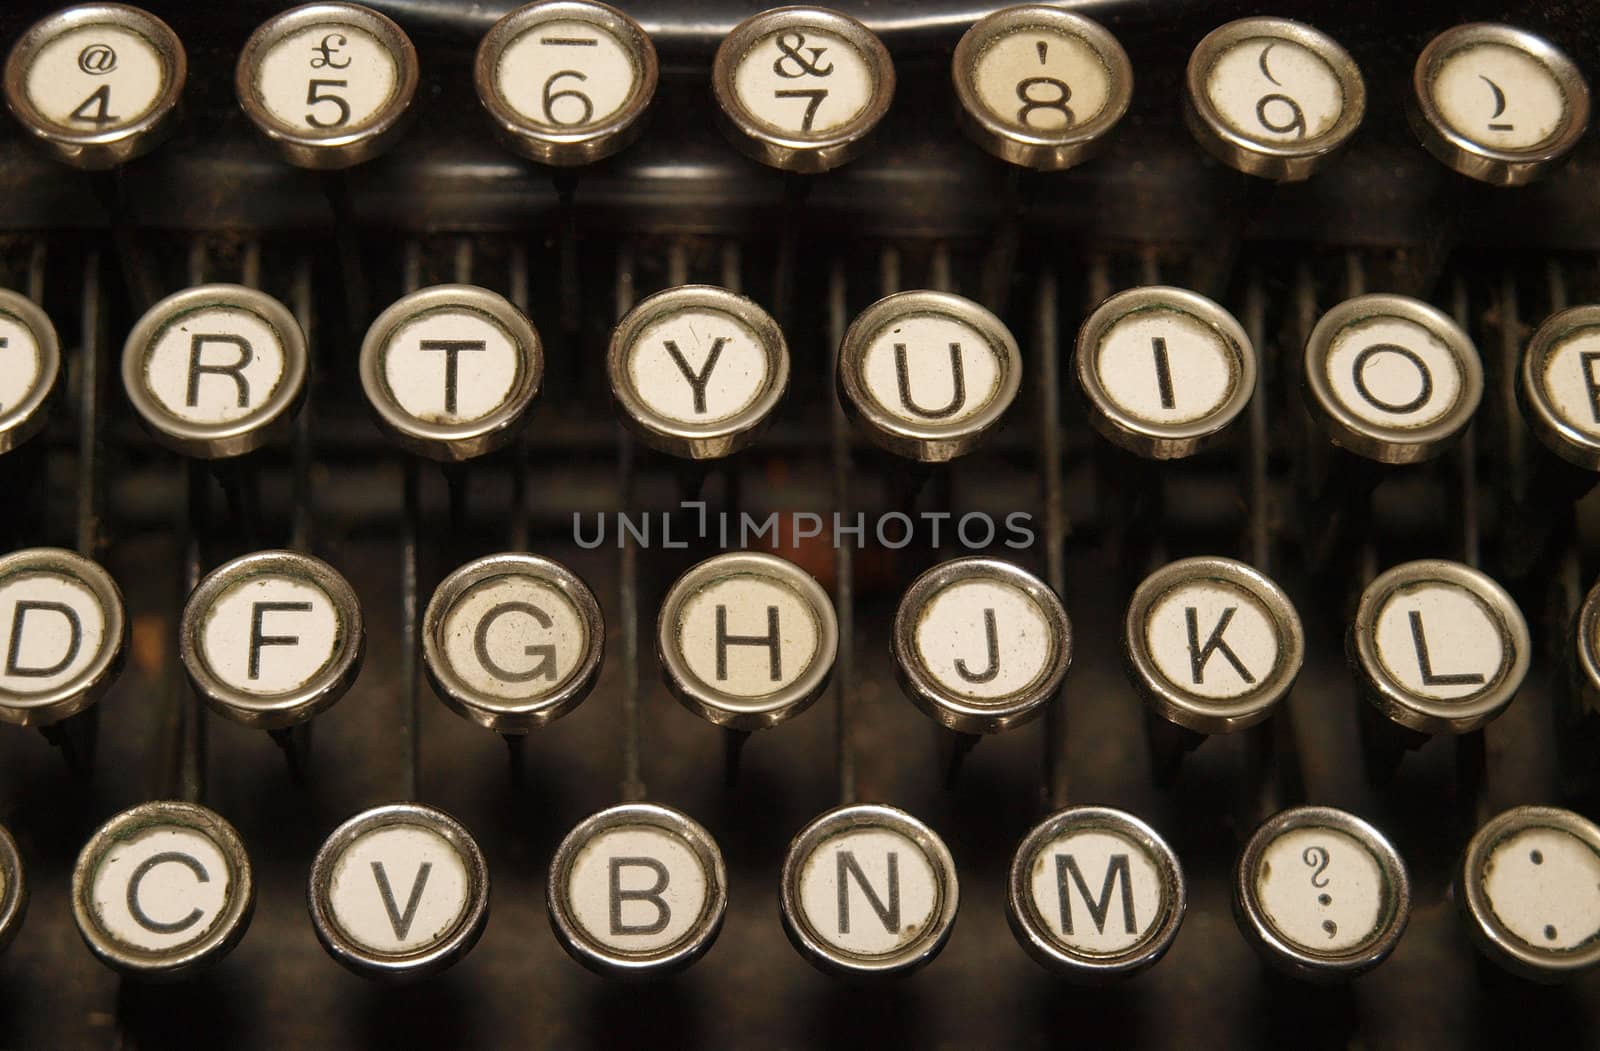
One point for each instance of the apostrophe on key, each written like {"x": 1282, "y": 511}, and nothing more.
{"x": 1042, "y": 48}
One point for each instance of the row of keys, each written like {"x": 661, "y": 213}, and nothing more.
{"x": 696, "y": 371}
{"x": 748, "y": 640}
{"x": 567, "y": 82}
{"x": 1093, "y": 894}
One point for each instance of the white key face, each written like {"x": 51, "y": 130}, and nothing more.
{"x": 96, "y": 79}
{"x": 1499, "y": 96}
{"x": 514, "y": 637}
{"x": 1441, "y": 642}
{"x": 1275, "y": 91}
{"x": 869, "y": 891}
{"x": 1393, "y": 372}
{"x": 451, "y": 366}
{"x": 19, "y": 363}
{"x": 1572, "y": 381}
{"x": 1166, "y": 367}
{"x": 215, "y": 365}
{"x": 270, "y": 634}
{"x": 637, "y": 889}
{"x": 984, "y": 640}
{"x": 52, "y": 629}
{"x": 929, "y": 369}
{"x": 161, "y": 889}
{"x": 698, "y": 366}
{"x": 1097, "y": 892}
{"x": 1544, "y": 885}
{"x": 803, "y": 81}
{"x": 567, "y": 74}
{"x": 747, "y": 635}
{"x": 1321, "y": 890}
{"x": 329, "y": 78}
{"x": 399, "y": 889}
{"x": 1038, "y": 79}
{"x": 1213, "y": 639}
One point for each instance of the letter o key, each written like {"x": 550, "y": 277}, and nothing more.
{"x": 163, "y": 890}
{"x": 63, "y": 635}
{"x": 637, "y": 890}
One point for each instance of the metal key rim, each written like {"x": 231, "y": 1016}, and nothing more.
{"x": 14, "y": 894}
{"x": 28, "y": 417}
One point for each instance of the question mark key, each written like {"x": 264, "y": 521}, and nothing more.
{"x": 1321, "y": 894}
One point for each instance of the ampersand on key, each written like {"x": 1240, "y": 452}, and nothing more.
{"x": 790, "y": 44}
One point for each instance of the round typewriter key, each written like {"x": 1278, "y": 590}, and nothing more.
{"x": 1040, "y": 87}
{"x": 980, "y": 644}
{"x": 1392, "y": 378}
{"x": 329, "y": 83}
{"x": 928, "y": 373}
{"x": 1440, "y": 647}
{"x": 697, "y": 370}
{"x": 1587, "y": 645}
{"x": 451, "y": 370}
{"x": 31, "y": 372}
{"x": 567, "y": 82}
{"x": 513, "y": 641}
{"x": 637, "y": 891}
{"x": 13, "y": 890}
{"x": 1272, "y": 97}
{"x": 1529, "y": 889}
{"x": 1496, "y": 103}
{"x": 1164, "y": 370}
{"x": 399, "y": 891}
{"x": 63, "y": 632}
{"x": 746, "y": 640}
{"x": 1321, "y": 894}
{"x": 163, "y": 890}
{"x": 216, "y": 371}
{"x": 799, "y": 88}
{"x": 1095, "y": 894}
{"x": 1212, "y": 644}
{"x": 272, "y": 638}
{"x": 97, "y": 84}
{"x": 868, "y": 890}
{"x": 1559, "y": 385}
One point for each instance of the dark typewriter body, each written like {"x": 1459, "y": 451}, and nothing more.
{"x": 922, "y": 207}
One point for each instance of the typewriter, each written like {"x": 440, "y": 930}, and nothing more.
{"x": 913, "y": 524}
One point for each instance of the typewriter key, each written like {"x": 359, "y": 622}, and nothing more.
{"x": 1164, "y": 370}
{"x": 1529, "y": 891}
{"x": 1587, "y": 647}
{"x": 1272, "y": 97}
{"x": 928, "y": 374}
{"x": 981, "y": 645}
{"x": 30, "y": 380}
{"x": 1559, "y": 385}
{"x": 513, "y": 642}
{"x": 64, "y": 635}
{"x": 567, "y": 82}
{"x": 697, "y": 370}
{"x": 399, "y": 891}
{"x": 272, "y": 638}
{"x": 1321, "y": 894}
{"x": 97, "y": 84}
{"x": 329, "y": 83}
{"x": 451, "y": 370}
{"x": 1212, "y": 644}
{"x": 1095, "y": 894}
{"x": 746, "y": 640}
{"x": 800, "y": 88}
{"x": 216, "y": 371}
{"x": 13, "y": 890}
{"x": 637, "y": 891}
{"x": 1439, "y": 647}
{"x": 1391, "y": 378}
{"x": 163, "y": 890}
{"x": 868, "y": 890}
{"x": 1496, "y": 103}
{"x": 1040, "y": 87}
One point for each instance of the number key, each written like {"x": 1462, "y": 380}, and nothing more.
{"x": 329, "y": 83}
